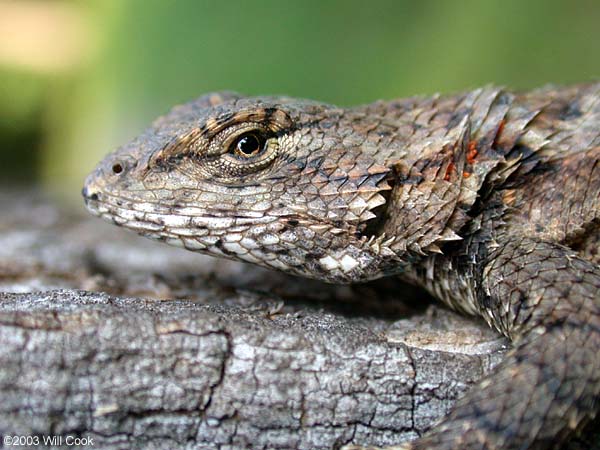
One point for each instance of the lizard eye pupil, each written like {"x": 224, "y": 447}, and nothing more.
{"x": 248, "y": 145}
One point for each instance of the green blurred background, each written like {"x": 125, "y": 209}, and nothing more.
{"x": 77, "y": 78}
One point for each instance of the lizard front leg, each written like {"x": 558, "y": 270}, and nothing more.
{"x": 547, "y": 300}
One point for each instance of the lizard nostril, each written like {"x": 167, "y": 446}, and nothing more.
{"x": 88, "y": 195}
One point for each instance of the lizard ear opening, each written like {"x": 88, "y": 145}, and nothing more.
{"x": 373, "y": 227}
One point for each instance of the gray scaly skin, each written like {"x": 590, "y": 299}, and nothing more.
{"x": 489, "y": 199}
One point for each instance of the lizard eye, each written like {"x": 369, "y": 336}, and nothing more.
{"x": 248, "y": 145}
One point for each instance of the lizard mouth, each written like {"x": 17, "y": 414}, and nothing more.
{"x": 189, "y": 227}
{"x": 244, "y": 237}
{"x": 127, "y": 211}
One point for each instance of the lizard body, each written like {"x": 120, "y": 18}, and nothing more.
{"x": 489, "y": 199}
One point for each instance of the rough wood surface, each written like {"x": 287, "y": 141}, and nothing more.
{"x": 138, "y": 345}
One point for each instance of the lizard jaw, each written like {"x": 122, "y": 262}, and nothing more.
{"x": 282, "y": 243}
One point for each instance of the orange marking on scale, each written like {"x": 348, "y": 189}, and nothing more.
{"x": 472, "y": 152}
{"x": 449, "y": 171}
{"x": 499, "y": 132}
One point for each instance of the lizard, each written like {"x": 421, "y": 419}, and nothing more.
{"x": 489, "y": 199}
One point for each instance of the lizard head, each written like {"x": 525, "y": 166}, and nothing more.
{"x": 284, "y": 183}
